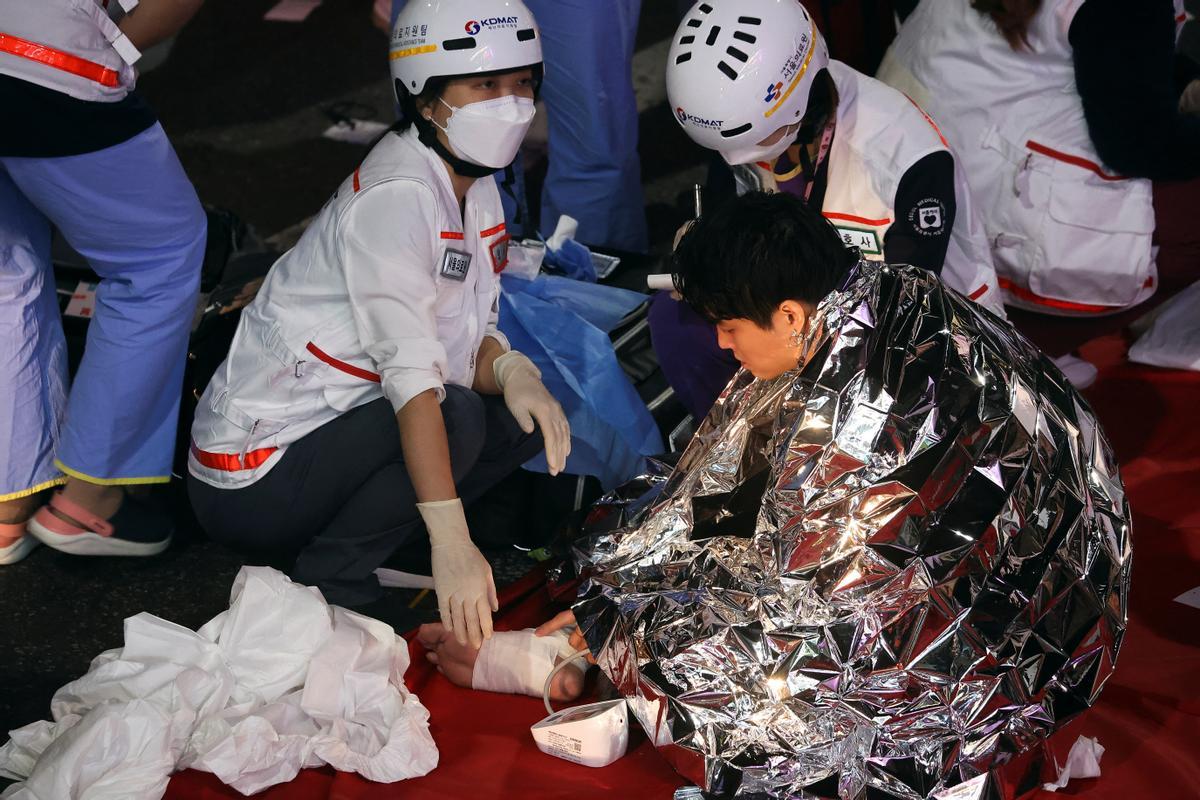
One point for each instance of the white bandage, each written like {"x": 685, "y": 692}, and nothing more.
{"x": 518, "y": 662}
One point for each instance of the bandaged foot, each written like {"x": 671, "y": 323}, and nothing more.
{"x": 514, "y": 662}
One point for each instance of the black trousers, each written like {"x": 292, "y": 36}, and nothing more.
{"x": 341, "y": 498}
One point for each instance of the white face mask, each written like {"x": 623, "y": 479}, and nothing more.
{"x": 490, "y": 132}
{"x": 754, "y": 153}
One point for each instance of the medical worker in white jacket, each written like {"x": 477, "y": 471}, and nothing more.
{"x": 753, "y": 81}
{"x": 1063, "y": 112}
{"x": 367, "y": 388}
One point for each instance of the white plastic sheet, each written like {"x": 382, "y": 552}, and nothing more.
{"x": 279, "y": 682}
{"x": 1173, "y": 339}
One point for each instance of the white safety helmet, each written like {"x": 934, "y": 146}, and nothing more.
{"x": 739, "y": 70}
{"x": 447, "y": 38}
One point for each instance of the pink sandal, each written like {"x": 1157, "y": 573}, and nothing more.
{"x": 135, "y": 530}
{"x": 14, "y": 543}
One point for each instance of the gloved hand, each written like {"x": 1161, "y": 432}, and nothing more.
{"x": 528, "y": 400}
{"x": 462, "y": 577}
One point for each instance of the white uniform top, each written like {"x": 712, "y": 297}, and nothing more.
{"x": 879, "y": 136}
{"x": 389, "y": 293}
{"x": 71, "y": 46}
{"x": 1068, "y": 235}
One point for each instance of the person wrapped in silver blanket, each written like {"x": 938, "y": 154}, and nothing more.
{"x": 895, "y": 555}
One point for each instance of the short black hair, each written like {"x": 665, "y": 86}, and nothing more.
{"x": 756, "y": 251}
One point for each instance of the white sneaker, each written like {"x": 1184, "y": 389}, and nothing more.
{"x": 15, "y": 549}
{"x": 1080, "y": 373}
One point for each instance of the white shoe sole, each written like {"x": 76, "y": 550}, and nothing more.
{"x": 1080, "y": 373}
{"x": 17, "y": 550}
{"x": 93, "y": 544}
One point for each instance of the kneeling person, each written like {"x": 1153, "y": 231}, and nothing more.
{"x": 368, "y": 388}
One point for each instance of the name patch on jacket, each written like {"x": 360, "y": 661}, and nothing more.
{"x": 867, "y": 241}
{"x": 456, "y": 264}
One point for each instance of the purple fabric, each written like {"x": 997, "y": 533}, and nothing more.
{"x": 687, "y": 350}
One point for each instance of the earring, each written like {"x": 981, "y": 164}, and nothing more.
{"x": 796, "y": 340}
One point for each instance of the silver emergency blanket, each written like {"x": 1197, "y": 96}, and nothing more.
{"x": 880, "y": 575}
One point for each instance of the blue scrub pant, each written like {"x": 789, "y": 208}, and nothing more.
{"x": 595, "y": 174}
{"x": 132, "y": 213}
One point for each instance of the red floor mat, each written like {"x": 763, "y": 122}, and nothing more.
{"x": 1148, "y": 718}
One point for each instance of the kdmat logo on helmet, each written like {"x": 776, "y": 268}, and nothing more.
{"x": 476, "y": 25}
{"x": 699, "y": 122}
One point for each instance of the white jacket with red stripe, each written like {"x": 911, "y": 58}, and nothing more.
{"x": 880, "y": 135}
{"x": 1067, "y": 235}
{"x": 389, "y": 293}
{"x": 71, "y": 46}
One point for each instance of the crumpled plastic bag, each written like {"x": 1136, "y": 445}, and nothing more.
{"x": 562, "y": 326}
{"x": 279, "y": 682}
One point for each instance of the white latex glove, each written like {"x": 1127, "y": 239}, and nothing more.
{"x": 528, "y": 400}
{"x": 462, "y": 577}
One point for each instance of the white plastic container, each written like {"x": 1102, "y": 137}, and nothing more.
{"x": 594, "y": 735}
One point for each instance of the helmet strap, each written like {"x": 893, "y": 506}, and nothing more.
{"x": 506, "y": 185}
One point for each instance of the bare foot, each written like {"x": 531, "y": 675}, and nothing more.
{"x": 457, "y": 662}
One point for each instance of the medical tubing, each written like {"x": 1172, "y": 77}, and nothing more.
{"x": 546, "y": 687}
